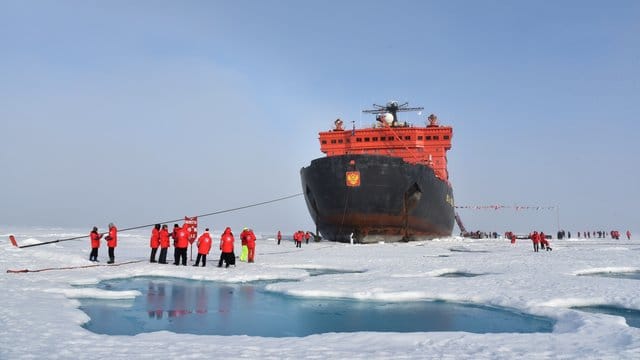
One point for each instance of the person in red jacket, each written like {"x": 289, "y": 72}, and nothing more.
{"x": 628, "y": 234}
{"x": 297, "y": 237}
{"x": 182, "y": 243}
{"x": 251, "y": 245}
{"x": 95, "y": 244}
{"x": 154, "y": 242}
{"x": 204, "y": 245}
{"x": 306, "y": 237}
{"x": 226, "y": 247}
{"x": 112, "y": 242}
{"x": 244, "y": 254}
{"x": 174, "y": 236}
{"x": 279, "y": 237}
{"x": 535, "y": 238}
{"x": 163, "y": 236}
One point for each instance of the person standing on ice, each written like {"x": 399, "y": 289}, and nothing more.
{"x": 251, "y": 245}
{"x": 112, "y": 242}
{"x": 204, "y": 245}
{"x": 95, "y": 244}
{"x": 628, "y": 235}
{"x": 279, "y": 237}
{"x": 154, "y": 242}
{"x": 244, "y": 253}
{"x": 174, "y": 236}
{"x": 182, "y": 243}
{"x": 164, "y": 243}
{"x": 226, "y": 247}
{"x": 306, "y": 237}
{"x": 535, "y": 238}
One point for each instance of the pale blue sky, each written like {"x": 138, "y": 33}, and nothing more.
{"x": 135, "y": 112}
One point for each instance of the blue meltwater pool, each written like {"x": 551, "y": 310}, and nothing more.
{"x": 205, "y": 307}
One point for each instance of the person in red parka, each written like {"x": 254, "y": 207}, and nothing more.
{"x": 174, "y": 236}
{"x": 95, "y": 244}
{"x": 163, "y": 236}
{"x": 204, "y": 245}
{"x": 226, "y": 247}
{"x": 244, "y": 254}
{"x": 182, "y": 243}
{"x": 535, "y": 238}
{"x": 306, "y": 237}
{"x": 251, "y": 245}
{"x": 154, "y": 242}
{"x": 279, "y": 237}
{"x": 112, "y": 242}
{"x": 297, "y": 237}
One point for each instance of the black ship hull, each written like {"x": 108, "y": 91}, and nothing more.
{"x": 393, "y": 200}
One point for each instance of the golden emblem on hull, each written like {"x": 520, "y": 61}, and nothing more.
{"x": 353, "y": 178}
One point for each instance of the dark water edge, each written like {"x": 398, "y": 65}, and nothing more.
{"x": 631, "y": 316}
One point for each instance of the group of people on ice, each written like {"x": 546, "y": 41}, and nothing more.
{"x": 300, "y": 235}
{"x": 180, "y": 236}
{"x": 112, "y": 242}
{"x": 160, "y": 238}
{"x": 615, "y": 234}
{"x": 539, "y": 240}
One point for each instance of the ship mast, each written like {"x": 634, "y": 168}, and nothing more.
{"x": 392, "y": 107}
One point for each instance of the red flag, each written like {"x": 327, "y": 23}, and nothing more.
{"x": 192, "y": 228}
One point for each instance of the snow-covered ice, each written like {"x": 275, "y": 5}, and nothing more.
{"x": 39, "y": 316}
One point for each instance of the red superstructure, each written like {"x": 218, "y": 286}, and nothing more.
{"x": 426, "y": 145}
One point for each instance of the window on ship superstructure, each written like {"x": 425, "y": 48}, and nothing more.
{"x": 407, "y": 137}
{"x": 333, "y": 141}
{"x": 358, "y": 139}
{"x": 339, "y": 141}
{"x": 366, "y": 139}
{"x": 419, "y": 137}
{"x": 383, "y": 138}
{"x": 428, "y": 138}
{"x": 446, "y": 137}
{"x": 375, "y": 139}
{"x": 324, "y": 142}
{"x": 436, "y": 137}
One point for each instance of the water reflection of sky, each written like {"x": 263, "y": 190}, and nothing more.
{"x": 204, "y": 307}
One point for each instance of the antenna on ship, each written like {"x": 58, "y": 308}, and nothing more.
{"x": 392, "y": 107}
